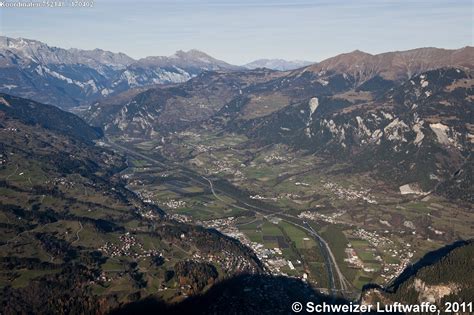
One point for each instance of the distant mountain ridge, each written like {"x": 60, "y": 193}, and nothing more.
{"x": 278, "y": 64}
{"x": 395, "y": 66}
{"x": 27, "y": 50}
{"x": 71, "y": 77}
{"x": 193, "y": 57}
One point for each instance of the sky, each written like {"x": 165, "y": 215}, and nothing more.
{"x": 241, "y": 31}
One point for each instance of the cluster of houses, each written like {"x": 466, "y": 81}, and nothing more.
{"x": 275, "y": 158}
{"x": 352, "y": 259}
{"x": 349, "y": 194}
{"x": 223, "y": 166}
{"x": 374, "y": 238}
{"x": 174, "y": 204}
{"x": 332, "y": 218}
{"x": 403, "y": 255}
{"x": 259, "y": 197}
{"x": 181, "y": 218}
{"x": 127, "y": 246}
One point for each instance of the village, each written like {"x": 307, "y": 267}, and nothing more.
{"x": 129, "y": 247}
{"x": 349, "y": 194}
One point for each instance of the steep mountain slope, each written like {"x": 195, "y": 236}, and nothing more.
{"x": 70, "y": 77}
{"x": 418, "y": 134}
{"x": 73, "y": 238}
{"x": 277, "y": 64}
{"x": 47, "y": 116}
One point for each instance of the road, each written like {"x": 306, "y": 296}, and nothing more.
{"x": 77, "y": 233}
{"x": 343, "y": 283}
{"x": 331, "y": 263}
{"x": 14, "y": 172}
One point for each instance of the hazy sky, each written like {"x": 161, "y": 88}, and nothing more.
{"x": 241, "y": 31}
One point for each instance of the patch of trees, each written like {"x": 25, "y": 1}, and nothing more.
{"x": 62, "y": 293}
{"x": 57, "y": 247}
{"x": 12, "y": 262}
{"x": 157, "y": 260}
{"x": 169, "y": 274}
{"x": 42, "y": 217}
{"x": 137, "y": 276}
{"x": 196, "y": 274}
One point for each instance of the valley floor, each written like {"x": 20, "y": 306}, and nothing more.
{"x": 326, "y": 225}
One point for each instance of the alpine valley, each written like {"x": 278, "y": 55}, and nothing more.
{"x": 186, "y": 184}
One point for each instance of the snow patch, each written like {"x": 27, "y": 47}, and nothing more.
{"x": 105, "y": 92}
{"x": 9, "y": 86}
{"x": 42, "y": 70}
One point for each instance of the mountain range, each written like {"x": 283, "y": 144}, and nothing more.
{"x": 277, "y": 64}
{"x": 71, "y": 77}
